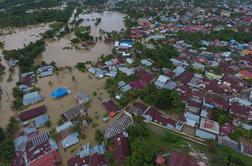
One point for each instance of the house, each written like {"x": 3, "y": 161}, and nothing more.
{"x": 32, "y": 98}
{"x": 45, "y": 71}
{"x": 181, "y": 159}
{"x": 205, "y": 134}
{"x": 126, "y": 70}
{"x": 241, "y": 111}
{"x": 178, "y": 71}
{"x": 209, "y": 125}
{"x": 146, "y": 62}
{"x": 41, "y": 120}
{"x": 191, "y": 119}
{"x": 160, "y": 160}
{"x": 82, "y": 98}
{"x": 118, "y": 126}
{"x": 123, "y": 86}
{"x": 121, "y": 148}
{"x": 74, "y": 112}
{"x": 246, "y": 74}
{"x": 225, "y": 140}
{"x": 32, "y": 113}
{"x": 198, "y": 66}
{"x": 213, "y": 100}
{"x": 51, "y": 159}
{"x": 28, "y": 78}
{"x": 161, "y": 81}
{"x": 137, "y": 108}
{"x": 29, "y": 149}
{"x": 146, "y": 77}
{"x": 88, "y": 155}
{"x": 64, "y": 126}
{"x": 70, "y": 140}
{"x": 192, "y": 106}
{"x": 153, "y": 115}
{"x": 111, "y": 107}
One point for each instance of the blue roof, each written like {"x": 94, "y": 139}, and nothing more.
{"x": 41, "y": 120}
{"x": 60, "y": 92}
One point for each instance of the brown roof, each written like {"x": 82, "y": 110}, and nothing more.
{"x": 32, "y": 113}
{"x": 181, "y": 159}
{"x": 121, "y": 148}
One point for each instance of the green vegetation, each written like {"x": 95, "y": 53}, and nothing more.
{"x": 17, "y": 16}
{"x": 145, "y": 144}
{"x": 7, "y": 150}
{"x": 164, "y": 141}
{"x": 1, "y": 44}
{"x": 241, "y": 132}
{"x": 225, "y": 35}
{"x": 98, "y": 136}
{"x": 83, "y": 33}
{"x": 220, "y": 116}
{"x": 26, "y": 55}
{"x": 163, "y": 99}
{"x": 55, "y": 27}
{"x": 17, "y": 94}
{"x": 222, "y": 155}
{"x": 81, "y": 66}
{"x": 161, "y": 55}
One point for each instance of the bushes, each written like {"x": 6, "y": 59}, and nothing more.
{"x": 162, "y": 98}
{"x": 98, "y": 136}
{"x": 81, "y": 66}
{"x": 26, "y": 55}
{"x": 83, "y": 33}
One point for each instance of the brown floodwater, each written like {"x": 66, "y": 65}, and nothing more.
{"x": 84, "y": 82}
{"x": 110, "y": 21}
{"x": 15, "y": 38}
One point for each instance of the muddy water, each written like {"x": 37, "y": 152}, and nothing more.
{"x": 55, "y": 52}
{"x": 64, "y": 57}
{"x": 15, "y": 38}
{"x": 110, "y": 21}
{"x": 84, "y": 82}
{"x": 6, "y": 99}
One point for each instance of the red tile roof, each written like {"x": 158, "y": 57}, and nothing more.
{"x": 156, "y": 115}
{"x": 181, "y": 159}
{"x": 160, "y": 160}
{"x": 121, "y": 148}
{"x": 98, "y": 160}
{"x": 246, "y": 74}
{"x": 137, "y": 84}
{"x": 32, "y": 113}
{"x": 50, "y": 159}
{"x": 145, "y": 76}
{"x": 239, "y": 110}
{"x": 111, "y": 107}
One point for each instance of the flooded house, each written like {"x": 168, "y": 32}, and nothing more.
{"x": 32, "y": 98}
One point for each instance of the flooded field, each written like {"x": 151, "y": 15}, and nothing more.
{"x": 55, "y": 52}
{"x": 110, "y": 21}
{"x": 15, "y": 38}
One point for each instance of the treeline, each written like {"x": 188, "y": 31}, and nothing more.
{"x": 26, "y": 55}
{"x": 7, "y": 150}
{"x": 161, "y": 54}
{"x": 225, "y": 35}
{"x": 17, "y": 16}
